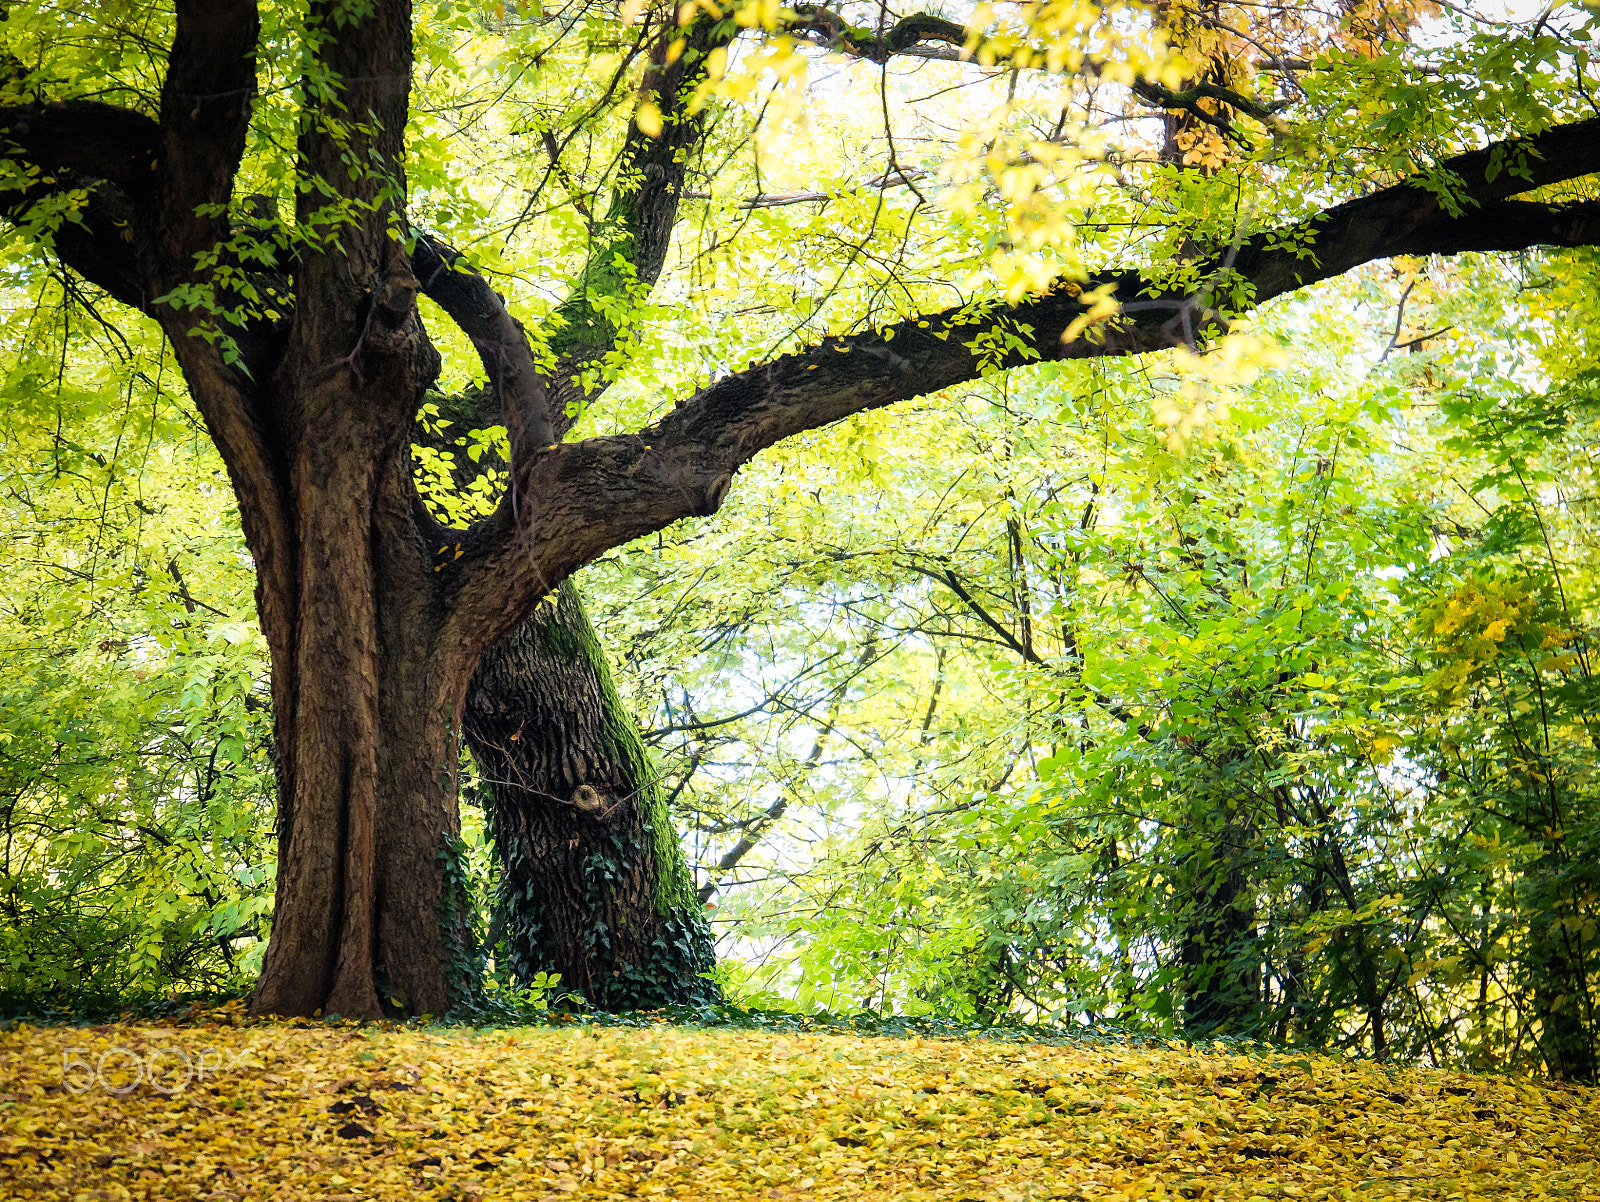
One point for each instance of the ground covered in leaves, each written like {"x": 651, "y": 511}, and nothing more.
{"x": 303, "y": 1111}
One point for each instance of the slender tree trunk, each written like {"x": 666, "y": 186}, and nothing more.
{"x": 1554, "y": 966}
{"x": 1560, "y": 1000}
{"x": 593, "y": 885}
{"x": 1221, "y": 969}
{"x": 1217, "y": 953}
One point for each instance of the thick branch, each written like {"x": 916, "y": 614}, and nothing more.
{"x": 92, "y": 139}
{"x": 106, "y": 156}
{"x": 1188, "y": 100}
{"x": 150, "y": 197}
{"x": 910, "y": 37}
{"x": 638, "y": 224}
{"x": 636, "y": 230}
{"x": 516, "y": 385}
{"x": 594, "y": 495}
{"x": 903, "y": 37}
{"x": 109, "y": 158}
{"x": 105, "y": 239}
{"x": 205, "y": 110}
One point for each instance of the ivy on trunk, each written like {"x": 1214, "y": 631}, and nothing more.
{"x": 593, "y": 885}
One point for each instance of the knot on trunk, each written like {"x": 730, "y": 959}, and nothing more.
{"x": 587, "y": 799}
{"x": 714, "y": 494}
{"x": 395, "y": 291}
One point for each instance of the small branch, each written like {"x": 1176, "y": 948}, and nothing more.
{"x": 1399, "y": 320}
{"x": 1406, "y": 346}
{"x": 953, "y": 582}
{"x": 775, "y": 200}
{"x": 189, "y": 603}
{"x": 755, "y": 827}
{"x": 554, "y": 151}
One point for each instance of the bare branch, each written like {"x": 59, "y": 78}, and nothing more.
{"x": 776, "y": 200}
{"x": 909, "y": 37}
{"x": 950, "y": 580}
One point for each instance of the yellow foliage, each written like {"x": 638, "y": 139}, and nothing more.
{"x": 1479, "y": 610}
{"x": 302, "y": 1111}
{"x": 1480, "y": 621}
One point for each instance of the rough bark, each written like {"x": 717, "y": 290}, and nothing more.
{"x": 597, "y": 892}
{"x": 593, "y": 885}
{"x": 312, "y": 416}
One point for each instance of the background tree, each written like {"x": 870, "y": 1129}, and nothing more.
{"x": 1350, "y": 592}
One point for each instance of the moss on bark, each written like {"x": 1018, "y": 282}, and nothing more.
{"x": 593, "y": 885}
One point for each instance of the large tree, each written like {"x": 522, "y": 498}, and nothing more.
{"x": 307, "y": 356}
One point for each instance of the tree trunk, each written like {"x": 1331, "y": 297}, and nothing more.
{"x": 593, "y": 885}
{"x": 366, "y": 682}
{"x": 1217, "y": 953}
{"x": 1221, "y": 967}
{"x": 1561, "y": 1004}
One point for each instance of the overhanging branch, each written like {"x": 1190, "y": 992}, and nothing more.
{"x": 923, "y": 35}
{"x": 905, "y": 36}
{"x": 100, "y": 141}
{"x": 594, "y": 495}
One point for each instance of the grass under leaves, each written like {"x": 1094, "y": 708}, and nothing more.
{"x": 299, "y": 1110}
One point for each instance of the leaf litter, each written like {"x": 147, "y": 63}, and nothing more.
{"x": 296, "y": 1110}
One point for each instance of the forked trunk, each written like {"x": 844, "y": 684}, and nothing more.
{"x": 593, "y": 885}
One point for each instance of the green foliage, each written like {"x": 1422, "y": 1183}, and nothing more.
{"x": 135, "y": 772}
{"x": 1249, "y": 704}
